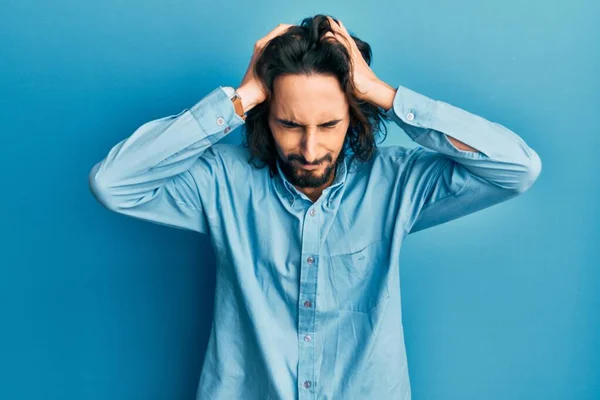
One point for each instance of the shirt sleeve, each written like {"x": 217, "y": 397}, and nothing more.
{"x": 166, "y": 171}
{"x": 444, "y": 182}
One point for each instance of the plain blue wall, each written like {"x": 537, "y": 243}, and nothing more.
{"x": 501, "y": 304}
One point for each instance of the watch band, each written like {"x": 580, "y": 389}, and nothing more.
{"x": 236, "y": 100}
{"x": 237, "y": 103}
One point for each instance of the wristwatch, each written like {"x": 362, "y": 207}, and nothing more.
{"x": 236, "y": 100}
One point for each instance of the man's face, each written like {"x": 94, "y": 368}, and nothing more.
{"x": 309, "y": 118}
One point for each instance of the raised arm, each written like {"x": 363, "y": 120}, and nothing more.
{"x": 464, "y": 162}
{"x": 164, "y": 171}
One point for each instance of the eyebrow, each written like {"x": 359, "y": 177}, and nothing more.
{"x": 292, "y": 123}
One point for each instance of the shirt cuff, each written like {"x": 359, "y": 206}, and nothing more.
{"x": 215, "y": 113}
{"x": 412, "y": 109}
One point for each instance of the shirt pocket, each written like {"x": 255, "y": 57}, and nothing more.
{"x": 360, "y": 278}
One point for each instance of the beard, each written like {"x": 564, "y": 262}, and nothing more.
{"x": 302, "y": 178}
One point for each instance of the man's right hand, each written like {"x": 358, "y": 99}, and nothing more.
{"x": 251, "y": 91}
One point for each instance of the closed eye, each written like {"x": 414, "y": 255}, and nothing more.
{"x": 293, "y": 125}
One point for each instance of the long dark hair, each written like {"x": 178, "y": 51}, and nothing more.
{"x": 302, "y": 50}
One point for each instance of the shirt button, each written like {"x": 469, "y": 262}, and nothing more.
{"x": 410, "y": 116}
{"x": 310, "y": 260}
{"x": 220, "y": 121}
{"x": 307, "y": 338}
{"x": 307, "y": 303}
{"x": 312, "y": 212}
{"x": 307, "y": 384}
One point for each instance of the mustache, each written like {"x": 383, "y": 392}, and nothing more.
{"x": 302, "y": 161}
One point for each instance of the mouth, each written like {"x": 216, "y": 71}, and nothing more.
{"x": 309, "y": 167}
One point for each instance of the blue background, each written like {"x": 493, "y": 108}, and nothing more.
{"x": 501, "y": 304}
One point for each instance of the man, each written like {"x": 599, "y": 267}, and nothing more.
{"x": 307, "y": 300}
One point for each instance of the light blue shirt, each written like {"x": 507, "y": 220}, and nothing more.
{"x": 307, "y": 299}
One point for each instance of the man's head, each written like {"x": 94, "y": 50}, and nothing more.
{"x": 310, "y": 117}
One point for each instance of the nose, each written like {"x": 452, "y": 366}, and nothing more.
{"x": 310, "y": 147}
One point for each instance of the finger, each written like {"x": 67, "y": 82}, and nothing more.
{"x": 342, "y": 32}
{"x": 338, "y": 38}
{"x": 279, "y": 29}
{"x": 329, "y": 34}
{"x": 337, "y": 27}
{"x": 343, "y": 28}
{"x": 351, "y": 43}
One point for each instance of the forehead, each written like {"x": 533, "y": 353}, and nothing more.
{"x": 308, "y": 99}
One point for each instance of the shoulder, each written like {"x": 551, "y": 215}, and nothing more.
{"x": 396, "y": 154}
{"x": 230, "y": 153}
{"x": 390, "y": 159}
{"x": 232, "y": 159}
{"x": 399, "y": 162}
{"x": 413, "y": 163}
